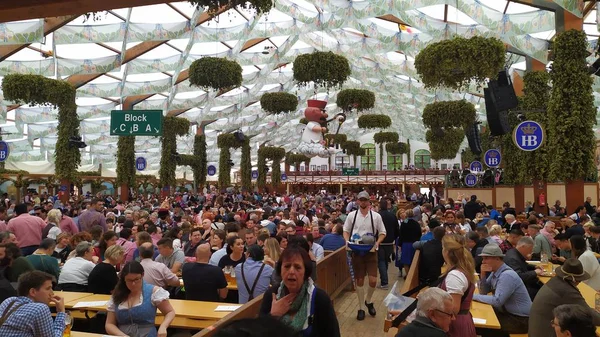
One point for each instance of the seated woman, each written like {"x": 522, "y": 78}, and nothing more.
{"x": 235, "y": 253}
{"x": 103, "y": 278}
{"x": 75, "y": 273}
{"x": 75, "y": 240}
{"x": 217, "y": 240}
{"x": 297, "y": 301}
{"x": 108, "y": 239}
{"x": 17, "y": 264}
{"x": 272, "y": 252}
{"x": 42, "y": 258}
{"x": 132, "y": 306}
{"x": 62, "y": 248}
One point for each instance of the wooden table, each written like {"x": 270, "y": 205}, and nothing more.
{"x": 485, "y": 311}
{"x": 71, "y": 297}
{"x": 189, "y": 314}
{"x": 89, "y": 334}
{"x": 231, "y": 285}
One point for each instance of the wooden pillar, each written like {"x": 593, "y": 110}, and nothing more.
{"x": 575, "y": 195}
{"x": 64, "y": 191}
{"x": 519, "y": 198}
{"x": 124, "y": 192}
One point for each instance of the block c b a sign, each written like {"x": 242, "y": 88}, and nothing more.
{"x": 528, "y": 136}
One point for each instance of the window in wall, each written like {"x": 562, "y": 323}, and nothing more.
{"x": 367, "y": 162}
{"x": 342, "y": 161}
{"x": 313, "y": 167}
{"x": 394, "y": 162}
{"x": 422, "y": 159}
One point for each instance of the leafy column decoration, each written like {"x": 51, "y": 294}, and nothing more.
{"x": 353, "y": 149}
{"x": 265, "y": 153}
{"x": 126, "y": 161}
{"x": 36, "y": 89}
{"x": 197, "y": 161}
{"x": 571, "y": 110}
{"x": 172, "y": 127}
{"x": 447, "y": 121}
{"x": 296, "y": 159}
{"x": 536, "y": 89}
{"x": 225, "y": 142}
{"x": 381, "y": 138}
{"x": 246, "y": 166}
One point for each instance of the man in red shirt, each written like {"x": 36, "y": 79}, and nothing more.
{"x": 27, "y": 229}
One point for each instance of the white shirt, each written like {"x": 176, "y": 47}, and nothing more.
{"x": 216, "y": 256}
{"x": 309, "y": 136}
{"x": 317, "y": 249}
{"x": 76, "y": 270}
{"x": 158, "y": 295}
{"x": 363, "y": 224}
{"x": 456, "y": 283}
{"x": 591, "y": 266}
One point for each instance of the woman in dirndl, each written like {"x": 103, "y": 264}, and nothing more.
{"x": 410, "y": 231}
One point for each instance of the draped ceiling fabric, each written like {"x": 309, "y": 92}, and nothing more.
{"x": 381, "y": 53}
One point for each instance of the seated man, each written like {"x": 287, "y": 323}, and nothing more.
{"x": 435, "y": 312}
{"x": 573, "y": 320}
{"x": 203, "y": 281}
{"x": 510, "y": 300}
{"x": 511, "y": 240}
{"x": 516, "y": 259}
{"x": 29, "y": 314}
{"x": 155, "y": 272}
{"x": 170, "y": 257}
{"x": 253, "y": 276}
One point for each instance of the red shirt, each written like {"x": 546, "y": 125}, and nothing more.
{"x": 27, "y": 229}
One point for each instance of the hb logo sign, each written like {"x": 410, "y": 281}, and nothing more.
{"x": 528, "y": 136}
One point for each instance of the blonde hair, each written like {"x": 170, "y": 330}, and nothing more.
{"x": 458, "y": 255}
{"x": 273, "y": 248}
{"x": 54, "y": 216}
{"x": 114, "y": 252}
{"x": 495, "y": 230}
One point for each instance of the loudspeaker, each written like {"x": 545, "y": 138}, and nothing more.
{"x": 474, "y": 139}
{"x": 239, "y": 136}
{"x": 497, "y": 121}
{"x": 503, "y": 93}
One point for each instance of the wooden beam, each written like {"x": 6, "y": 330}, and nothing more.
{"x": 15, "y": 10}
{"x": 50, "y": 25}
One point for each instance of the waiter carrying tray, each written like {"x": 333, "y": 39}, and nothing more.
{"x": 364, "y": 225}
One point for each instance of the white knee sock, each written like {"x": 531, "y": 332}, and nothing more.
{"x": 361, "y": 297}
{"x": 370, "y": 292}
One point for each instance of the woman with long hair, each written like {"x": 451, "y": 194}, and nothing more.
{"x": 459, "y": 282}
{"x": 132, "y": 306}
{"x": 217, "y": 239}
{"x": 235, "y": 253}
{"x": 450, "y": 223}
{"x": 272, "y": 251}
{"x": 410, "y": 231}
{"x": 108, "y": 239}
{"x": 175, "y": 234}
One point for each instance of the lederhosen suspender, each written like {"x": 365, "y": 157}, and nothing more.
{"x": 251, "y": 290}
{"x": 354, "y": 221}
{"x": 9, "y": 310}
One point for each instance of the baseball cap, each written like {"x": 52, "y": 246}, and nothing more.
{"x": 492, "y": 249}
{"x": 363, "y": 195}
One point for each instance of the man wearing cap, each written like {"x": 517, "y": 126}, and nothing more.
{"x": 561, "y": 289}
{"x": 510, "y": 300}
{"x": 359, "y": 223}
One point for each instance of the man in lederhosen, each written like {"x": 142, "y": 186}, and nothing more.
{"x": 359, "y": 223}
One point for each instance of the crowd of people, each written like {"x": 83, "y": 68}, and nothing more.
{"x": 142, "y": 251}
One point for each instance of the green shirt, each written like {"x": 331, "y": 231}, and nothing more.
{"x": 45, "y": 263}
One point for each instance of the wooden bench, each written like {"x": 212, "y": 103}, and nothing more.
{"x": 332, "y": 276}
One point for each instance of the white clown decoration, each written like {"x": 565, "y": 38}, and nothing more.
{"x": 312, "y": 143}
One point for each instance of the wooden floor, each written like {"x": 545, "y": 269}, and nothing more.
{"x": 346, "y": 307}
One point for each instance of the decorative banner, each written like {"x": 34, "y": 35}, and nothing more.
{"x": 476, "y": 166}
{"x": 492, "y": 158}
{"x": 3, "y": 150}
{"x": 470, "y": 180}
{"x": 140, "y": 163}
{"x": 254, "y": 175}
{"x": 528, "y": 136}
{"x": 211, "y": 170}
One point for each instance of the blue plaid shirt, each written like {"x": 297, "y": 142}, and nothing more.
{"x": 31, "y": 319}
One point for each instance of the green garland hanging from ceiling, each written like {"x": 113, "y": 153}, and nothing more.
{"x": 278, "y": 102}
{"x": 359, "y": 99}
{"x": 126, "y": 161}
{"x": 215, "y": 73}
{"x": 36, "y": 89}
{"x": 172, "y": 127}
{"x": 447, "y": 122}
{"x": 324, "y": 69}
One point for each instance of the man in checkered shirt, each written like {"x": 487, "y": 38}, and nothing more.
{"x": 29, "y": 314}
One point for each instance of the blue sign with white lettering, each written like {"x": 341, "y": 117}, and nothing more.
{"x": 140, "y": 163}
{"x": 528, "y": 136}
{"x": 492, "y": 158}
{"x": 254, "y": 174}
{"x": 63, "y": 188}
{"x": 211, "y": 170}
{"x": 476, "y": 166}
{"x": 283, "y": 177}
{"x": 3, "y": 151}
{"x": 470, "y": 180}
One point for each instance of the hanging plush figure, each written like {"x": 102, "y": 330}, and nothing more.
{"x": 312, "y": 143}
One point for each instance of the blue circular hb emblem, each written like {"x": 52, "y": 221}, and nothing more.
{"x": 528, "y": 136}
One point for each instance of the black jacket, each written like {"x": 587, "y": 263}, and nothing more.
{"x": 421, "y": 327}
{"x": 325, "y": 322}
{"x": 410, "y": 231}
{"x": 471, "y": 209}
{"x": 391, "y": 226}
{"x": 432, "y": 260}
{"x": 526, "y": 272}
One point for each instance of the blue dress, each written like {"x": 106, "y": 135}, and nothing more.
{"x": 142, "y": 316}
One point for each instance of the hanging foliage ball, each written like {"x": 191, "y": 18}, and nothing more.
{"x": 374, "y": 121}
{"x": 261, "y": 6}
{"x": 396, "y": 148}
{"x": 216, "y": 73}
{"x": 296, "y": 158}
{"x": 278, "y": 102}
{"x": 453, "y": 63}
{"x": 325, "y": 69}
{"x": 272, "y": 152}
{"x": 444, "y": 143}
{"x": 340, "y": 138}
{"x": 228, "y": 141}
{"x": 386, "y": 137}
{"x": 358, "y": 99}
{"x": 449, "y": 114}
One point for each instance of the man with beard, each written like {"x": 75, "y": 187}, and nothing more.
{"x": 361, "y": 223}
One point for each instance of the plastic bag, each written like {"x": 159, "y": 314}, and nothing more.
{"x": 394, "y": 300}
